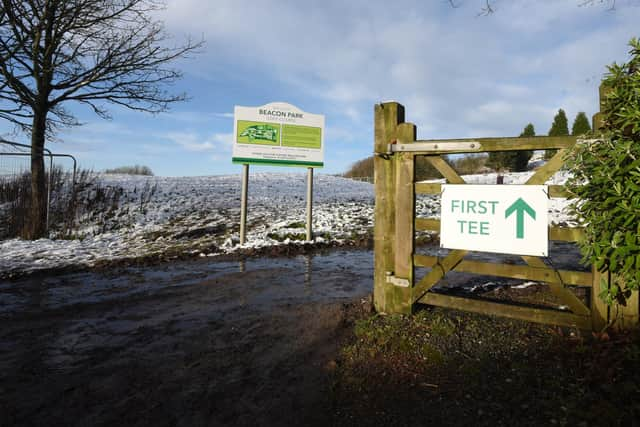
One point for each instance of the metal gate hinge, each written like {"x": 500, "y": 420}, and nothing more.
{"x": 397, "y": 281}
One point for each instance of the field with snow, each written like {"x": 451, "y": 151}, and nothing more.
{"x": 199, "y": 216}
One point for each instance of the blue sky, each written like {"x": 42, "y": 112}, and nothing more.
{"x": 457, "y": 74}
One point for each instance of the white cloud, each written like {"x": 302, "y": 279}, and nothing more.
{"x": 192, "y": 141}
{"x": 456, "y": 73}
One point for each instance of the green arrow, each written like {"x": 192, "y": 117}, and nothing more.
{"x": 520, "y": 207}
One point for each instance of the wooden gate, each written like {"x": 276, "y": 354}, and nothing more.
{"x": 397, "y": 290}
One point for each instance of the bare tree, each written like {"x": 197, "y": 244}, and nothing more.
{"x": 487, "y": 7}
{"x": 93, "y": 52}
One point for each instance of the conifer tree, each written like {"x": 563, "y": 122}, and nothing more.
{"x": 580, "y": 124}
{"x": 520, "y": 159}
{"x": 515, "y": 161}
{"x": 559, "y": 127}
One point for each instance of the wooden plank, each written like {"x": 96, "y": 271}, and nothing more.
{"x": 436, "y": 188}
{"x": 427, "y": 224}
{"x": 387, "y": 116}
{"x": 566, "y": 234}
{"x": 600, "y": 311}
{"x": 523, "y": 272}
{"x": 504, "y": 144}
{"x": 428, "y": 188}
{"x": 558, "y": 191}
{"x": 556, "y": 283}
{"x": 548, "y": 169}
{"x": 544, "y": 274}
{"x": 427, "y": 261}
{"x": 438, "y": 272}
{"x": 555, "y": 233}
{"x": 530, "y": 314}
{"x": 404, "y": 223}
{"x": 446, "y": 170}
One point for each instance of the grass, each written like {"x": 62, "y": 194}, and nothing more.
{"x": 445, "y": 367}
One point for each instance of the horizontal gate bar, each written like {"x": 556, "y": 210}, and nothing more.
{"x": 436, "y": 188}
{"x": 525, "y": 272}
{"x": 474, "y": 145}
{"x": 436, "y": 146}
{"x": 562, "y": 234}
{"x": 538, "y": 315}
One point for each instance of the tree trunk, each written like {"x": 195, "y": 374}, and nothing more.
{"x": 35, "y": 226}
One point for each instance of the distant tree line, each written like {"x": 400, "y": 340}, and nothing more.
{"x": 131, "y": 170}
{"x": 424, "y": 170}
{"x": 501, "y": 161}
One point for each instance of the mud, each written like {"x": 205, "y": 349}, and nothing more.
{"x": 190, "y": 343}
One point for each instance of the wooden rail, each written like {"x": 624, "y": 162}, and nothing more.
{"x": 397, "y": 290}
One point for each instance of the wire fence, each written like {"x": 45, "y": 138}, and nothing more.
{"x": 15, "y": 182}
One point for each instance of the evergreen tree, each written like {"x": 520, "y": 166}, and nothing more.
{"x": 520, "y": 159}
{"x": 528, "y": 131}
{"x": 515, "y": 161}
{"x": 560, "y": 127}
{"x": 580, "y": 124}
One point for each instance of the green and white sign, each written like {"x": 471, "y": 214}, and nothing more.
{"x": 278, "y": 134}
{"x": 509, "y": 219}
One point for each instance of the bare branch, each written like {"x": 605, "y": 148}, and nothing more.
{"x": 94, "y": 52}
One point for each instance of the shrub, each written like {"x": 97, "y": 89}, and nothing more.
{"x": 364, "y": 169}
{"x": 470, "y": 164}
{"x": 606, "y": 182}
{"x": 361, "y": 169}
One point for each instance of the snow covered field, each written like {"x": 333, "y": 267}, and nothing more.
{"x": 200, "y": 216}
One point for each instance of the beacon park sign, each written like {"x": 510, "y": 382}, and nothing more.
{"x": 278, "y": 134}
{"x": 508, "y": 219}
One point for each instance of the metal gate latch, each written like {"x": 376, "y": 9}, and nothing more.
{"x": 397, "y": 281}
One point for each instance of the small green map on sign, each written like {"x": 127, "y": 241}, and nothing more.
{"x": 301, "y": 137}
{"x": 258, "y": 133}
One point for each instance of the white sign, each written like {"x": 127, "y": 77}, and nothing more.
{"x": 510, "y": 219}
{"x": 278, "y": 134}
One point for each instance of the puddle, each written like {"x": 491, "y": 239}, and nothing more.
{"x": 330, "y": 276}
{"x": 318, "y": 277}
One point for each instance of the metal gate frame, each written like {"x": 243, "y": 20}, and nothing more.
{"x": 46, "y": 152}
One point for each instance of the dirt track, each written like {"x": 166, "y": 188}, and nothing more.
{"x": 193, "y": 343}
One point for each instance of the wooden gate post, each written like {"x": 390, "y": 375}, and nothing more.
{"x": 387, "y": 117}
{"x": 401, "y": 293}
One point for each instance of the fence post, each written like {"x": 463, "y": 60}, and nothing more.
{"x": 387, "y": 117}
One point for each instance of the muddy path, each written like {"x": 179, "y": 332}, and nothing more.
{"x": 188, "y": 343}
{"x": 191, "y": 343}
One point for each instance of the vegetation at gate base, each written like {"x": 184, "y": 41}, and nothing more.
{"x": 131, "y": 170}
{"x": 581, "y": 125}
{"x": 559, "y": 127}
{"x": 458, "y": 368}
{"x": 515, "y": 161}
{"x": 606, "y": 182}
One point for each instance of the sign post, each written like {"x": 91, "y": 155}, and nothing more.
{"x": 277, "y": 134}
{"x": 309, "y": 203}
{"x": 243, "y": 203}
{"x": 510, "y": 219}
